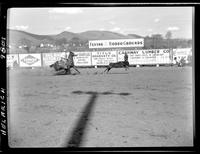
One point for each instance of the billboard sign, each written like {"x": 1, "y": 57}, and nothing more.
{"x": 12, "y": 60}
{"x": 182, "y": 53}
{"x": 103, "y": 57}
{"x": 118, "y": 43}
{"x": 164, "y": 56}
{"x": 50, "y": 58}
{"x": 149, "y": 56}
{"x": 82, "y": 59}
{"x": 30, "y": 60}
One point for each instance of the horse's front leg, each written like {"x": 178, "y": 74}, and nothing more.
{"x": 126, "y": 67}
{"x": 76, "y": 69}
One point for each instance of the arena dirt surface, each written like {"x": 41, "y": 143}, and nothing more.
{"x": 140, "y": 107}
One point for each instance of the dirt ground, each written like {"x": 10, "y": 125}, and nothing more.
{"x": 140, "y": 107}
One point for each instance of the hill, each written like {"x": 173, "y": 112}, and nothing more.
{"x": 104, "y": 35}
{"x": 18, "y": 37}
{"x": 24, "y": 42}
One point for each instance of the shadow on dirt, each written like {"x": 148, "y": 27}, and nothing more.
{"x": 79, "y": 131}
{"x": 117, "y": 73}
{"x": 63, "y": 73}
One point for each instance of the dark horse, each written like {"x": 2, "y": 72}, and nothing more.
{"x": 124, "y": 64}
{"x": 66, "y": 64}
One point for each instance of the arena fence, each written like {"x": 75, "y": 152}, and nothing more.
{"x": 101, "y": 58}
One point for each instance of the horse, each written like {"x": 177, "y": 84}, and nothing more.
{"x": 124, "y": 64}
{"x": 66, "y": 64}
{"x": 60, "y": 66}
{"x": 180, "y": 63}
{"x": 70, "y": 61}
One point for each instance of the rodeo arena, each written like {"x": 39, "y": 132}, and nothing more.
{"x": 106, "y": 96}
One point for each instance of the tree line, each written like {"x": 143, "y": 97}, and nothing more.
{"x": 155, "y": 41}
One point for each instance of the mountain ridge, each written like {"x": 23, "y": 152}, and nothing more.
{"x": 18, "y": 36}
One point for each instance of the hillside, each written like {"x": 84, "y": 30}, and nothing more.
{"x": 24, "y": 42}
{"x": 17, "y": 37}
{"x": 103, "y": 35}
{"x": 67, "y": 35}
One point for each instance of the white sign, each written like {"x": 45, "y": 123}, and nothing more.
{"x": 116, "y": 43}
{"x": 103, "y": 57}
{"x": 82, "y": 59}
{"x": 30, "y": 60}
{"x": 12, "y": 60}
{"x": 182, "y": 53}
{"x": 50, "y": 58}
{"x": 150, "y": 56}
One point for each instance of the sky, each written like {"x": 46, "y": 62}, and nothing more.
{"x": 143, "y": 21}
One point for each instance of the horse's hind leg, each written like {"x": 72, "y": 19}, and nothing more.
{"x": 105, "y": 70}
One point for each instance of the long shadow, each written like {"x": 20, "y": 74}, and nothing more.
{"x": 117, "y": 73}
{"x": 63, "y": 73}
{"x": 78, "y": 132}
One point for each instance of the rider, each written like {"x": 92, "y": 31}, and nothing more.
{"x": 69, "y": 62}
{"x": 63, "y": 60}
{"x": 125, "y": 57}
{"x": 72, "y": 61}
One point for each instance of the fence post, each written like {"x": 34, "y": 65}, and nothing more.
{"x": 42, "y": 63}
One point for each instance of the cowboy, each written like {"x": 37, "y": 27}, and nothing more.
{"x": 125, "y": 57}
{"x": 69, "y": 60}
{"x": 63, "y": 60}
{"x": 72, "y": 61}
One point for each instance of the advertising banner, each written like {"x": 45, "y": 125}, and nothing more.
{"x": 182, "y": 53}
{"x": 103, "y": 57}
{"x": 12, "y": 60}
{"x": 150, "y": 56}
{"x": 116, "y": 43}
{"x": 50, "y": 58}
{"x": 164, "y": 56}
{"x": 82, "y": 59}
{"x": 30, "y": 60}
